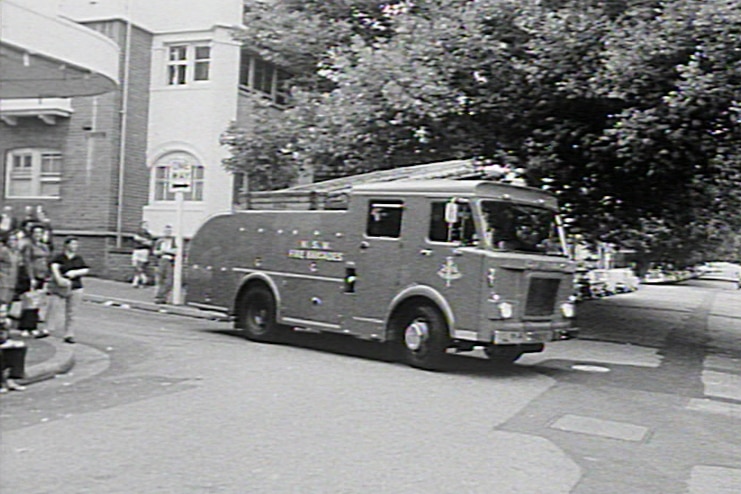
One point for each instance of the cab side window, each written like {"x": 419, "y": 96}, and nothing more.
{"x": 384, "y": 218}
{"x": 462, "y": 231}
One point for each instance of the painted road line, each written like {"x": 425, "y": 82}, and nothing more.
{"x": 602, "y": 428}
{"x": 722, "y": 363}
{"x": 718, "y": 480}
{"x": 732, "y": 410}
{"x": 597, "y": 352}
{"x": 722, "y": 385}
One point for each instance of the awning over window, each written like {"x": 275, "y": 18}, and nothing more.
{"x": 50, "y": 57}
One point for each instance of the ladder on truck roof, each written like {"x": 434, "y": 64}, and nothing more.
{"x": 332, "y": 194}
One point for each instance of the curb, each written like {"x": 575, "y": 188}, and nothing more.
{"x": 64, "y": 357}
{"x": 61, "y": 363}
{"x": 161, "y": 308}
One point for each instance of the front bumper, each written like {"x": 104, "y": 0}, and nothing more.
{"x": 516, "y": 333}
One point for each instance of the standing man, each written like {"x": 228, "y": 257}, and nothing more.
{"x": 67, "y": 270}
{"x": 143, "y": 241}
{"x": 165, "y": 250}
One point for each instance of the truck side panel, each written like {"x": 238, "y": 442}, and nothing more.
{"x": 303, "y": 252}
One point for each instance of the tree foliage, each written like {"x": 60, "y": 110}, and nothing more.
{"x": 629, "y": 110}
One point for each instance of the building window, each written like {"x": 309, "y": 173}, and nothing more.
{"x": 186, "y": 59}
{"x": 177, "y": 66}
{"x": 263, "y": 77}
{"x": 202, "y": 63}
{"x": 161, "y": 178}
{"x": 33, "y": 173}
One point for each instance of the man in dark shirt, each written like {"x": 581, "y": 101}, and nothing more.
{"x": 65, "y": 286}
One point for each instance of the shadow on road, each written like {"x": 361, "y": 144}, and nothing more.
{"x": 464, "y": 363}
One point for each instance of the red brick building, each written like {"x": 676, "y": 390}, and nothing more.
{"x": 66, "y": 155}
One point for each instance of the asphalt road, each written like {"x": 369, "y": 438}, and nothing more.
{"x": 647, "y": 401}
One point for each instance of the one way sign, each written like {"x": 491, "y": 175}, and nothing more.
{"x": 180, "y": 176}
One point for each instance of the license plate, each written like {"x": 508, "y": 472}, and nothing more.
{"x": 516, "y": 337}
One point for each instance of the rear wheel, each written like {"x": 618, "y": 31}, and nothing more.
{"x": 257, "y": 318}
{"x": 423, "y": 337}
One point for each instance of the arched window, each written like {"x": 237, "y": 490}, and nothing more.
{"x": 161, "y": 177}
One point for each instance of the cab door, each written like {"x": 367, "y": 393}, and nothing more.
{"x": 372, "y": 273}
{"x": 444, "y": 254}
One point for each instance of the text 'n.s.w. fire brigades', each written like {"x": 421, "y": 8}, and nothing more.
{"x": 315, "y": 250}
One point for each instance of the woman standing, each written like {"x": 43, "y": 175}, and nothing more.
{"x": 36, "y": 260}
{"x": 9, "y": 260}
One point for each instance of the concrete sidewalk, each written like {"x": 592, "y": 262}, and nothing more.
{"x": 45, "y": 358}
{"x": 123, "y": 294}
{"x": 48, "y": 357}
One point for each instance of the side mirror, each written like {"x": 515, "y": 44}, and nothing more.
{"x": 451, "y": 212}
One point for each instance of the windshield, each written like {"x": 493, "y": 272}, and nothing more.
{"x": 521, "y": 227}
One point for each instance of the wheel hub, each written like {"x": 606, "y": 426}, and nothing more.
{"x": 415, "y": 335}
{"x": 259, "y": 319}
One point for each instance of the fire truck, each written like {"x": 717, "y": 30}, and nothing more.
{"x": 427, "y": 266}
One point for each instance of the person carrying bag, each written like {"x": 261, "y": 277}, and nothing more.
{"x": 65, "y": 288}
{"x": 55, "y": 287}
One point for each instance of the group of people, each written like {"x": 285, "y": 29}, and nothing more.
{"x": 39, "y": 286}
{"x": 41, "y": 289}
{"x": 164, "y": 250}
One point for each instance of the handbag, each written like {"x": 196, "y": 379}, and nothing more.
{"x": 31, "y": 299}
{"x": 15, "y": 309}
{"x": 56, "y": 289}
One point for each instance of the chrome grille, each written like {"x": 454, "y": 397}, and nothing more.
{"x": 541, "y": 297}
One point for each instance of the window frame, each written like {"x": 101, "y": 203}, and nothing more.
{"x": 201, "y": 62}
{"x": 177, "y": 65}
{"x": 272, "y": 83}
{"x": 466, "y": 233}
{"x": 37, "y": 177}
{"x": 388, "y": 205}
{"x": 187, "y": 68}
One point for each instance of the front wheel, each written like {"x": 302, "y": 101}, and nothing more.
{"x": 423, "y": 336}
{"x": 257, "y": 318}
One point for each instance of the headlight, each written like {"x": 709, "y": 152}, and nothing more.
{"x": 568, "y": 310}
{"x": 505, "y": 310}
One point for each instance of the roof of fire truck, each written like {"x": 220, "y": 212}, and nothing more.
{"x": 459, "y": 188}
{"x": 464, "y": 178}
{"x": 468, "y": 169}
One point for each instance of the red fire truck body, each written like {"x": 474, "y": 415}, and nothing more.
{"x": 426, "y": 265}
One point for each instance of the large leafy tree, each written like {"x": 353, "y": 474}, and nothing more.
{"x": 630, "y": 110}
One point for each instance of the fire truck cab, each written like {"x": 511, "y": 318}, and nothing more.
{"x": 428, "y": 266}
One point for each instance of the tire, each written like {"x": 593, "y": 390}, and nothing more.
{"x": 422, "y": 334}
{"x": 257, "y": 319}
{"x": 503, "y": 355}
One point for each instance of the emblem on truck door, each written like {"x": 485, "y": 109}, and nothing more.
{"x": 449, "y": 271}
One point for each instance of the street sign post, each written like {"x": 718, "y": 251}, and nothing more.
{"x": 179, "y": 176}
{"x": 180, "y": 181}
